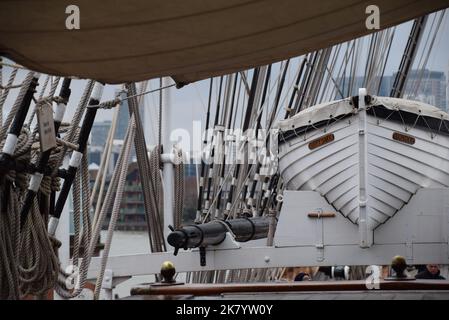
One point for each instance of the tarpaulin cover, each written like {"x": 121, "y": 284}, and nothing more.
{"x": 133, "y": 40}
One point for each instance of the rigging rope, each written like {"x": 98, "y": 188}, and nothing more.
{"x": 114, "y": 102}
{"x": 121, "y": 171}
{"x": 178, "y": 187}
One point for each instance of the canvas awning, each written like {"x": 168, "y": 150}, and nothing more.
{"x": 133, "y": 40}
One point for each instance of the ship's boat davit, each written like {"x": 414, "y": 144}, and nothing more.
{"x": 366, "y": 160}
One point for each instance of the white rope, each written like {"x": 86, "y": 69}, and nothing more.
{"x": 122, "y": 168}
{"x": 114, "y": 102}
{"x": 178, "y": 188}
{"x": 100, "y": 180}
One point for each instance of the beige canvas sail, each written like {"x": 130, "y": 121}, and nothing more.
{"x": 120, "y": 41}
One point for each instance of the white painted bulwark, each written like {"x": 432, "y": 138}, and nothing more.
{"x": 298, "y": 241}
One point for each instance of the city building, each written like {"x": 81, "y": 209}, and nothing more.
{"x": 132, "y": 209}
{"x": 422, "y": 85}
{"x": 99, "y": 133}
{"x": 428, "y": 87}
{"x": 123, "y": 116}
{"x": 96, "y": 152}
{"x": 383, "y": 88}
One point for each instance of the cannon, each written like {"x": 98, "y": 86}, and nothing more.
{"x": 214, "y": 232}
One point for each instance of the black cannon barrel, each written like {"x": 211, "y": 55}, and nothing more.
{"x": 214, "y": 232}
{"x": 250, "y": 228}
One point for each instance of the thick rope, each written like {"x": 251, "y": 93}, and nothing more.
{"x": 109, "y": 198}
{"x": 9, "y": 225}
{"x": 149, "y": 170}
{"x": 73, "y": 128}
{"x": 116, "y": 101}
{"x": 82, "y": 237}
{"x": 103, "y": 170}
{"x": 157, "y": 201}
{"x": 5, "y": 93}
{"x": 178, "y": 188}
{"x": 17, "y": 103}
{"x": 123, "y": 170}
{"x": 29, "y": 263}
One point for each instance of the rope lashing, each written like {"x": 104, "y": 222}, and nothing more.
{"x": 12, "y": 65}
{"x": 116, "y": 101}
{"x": 67, "y": 144}
{"x": 10, "y": 86}
{"x": 149, "y": 171}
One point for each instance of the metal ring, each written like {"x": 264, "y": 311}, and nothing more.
{"x": 279, "y": 198}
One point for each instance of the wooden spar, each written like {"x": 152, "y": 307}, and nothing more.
{"x": 408, "y": 56}
{"x": 248, "y": 167}
{"x": 319, "y": 76}
{"x": 267, "y": 179}
{"x": 232, "y": 125}
{"x": 264, "y": 96}
{"x": 211, "y": 160}
{"x": 221, "y": 135}
{"x": 234, "y": 90}
{"x": 252, "y": 97}
{"x": 270, "y": 122}
{"x": 305, "y": 82}
{"x": 231, "y": 86}
{"x": 244, "y": 128}
{"x": 203, "y": 164}
{"x": 385, "y": 63}
{"x": 302, "y": 286}
{"x": 258, "y": 127}
{"x": 295, "y": 91}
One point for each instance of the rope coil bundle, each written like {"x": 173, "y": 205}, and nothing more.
{"x": 29, "y": 263}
